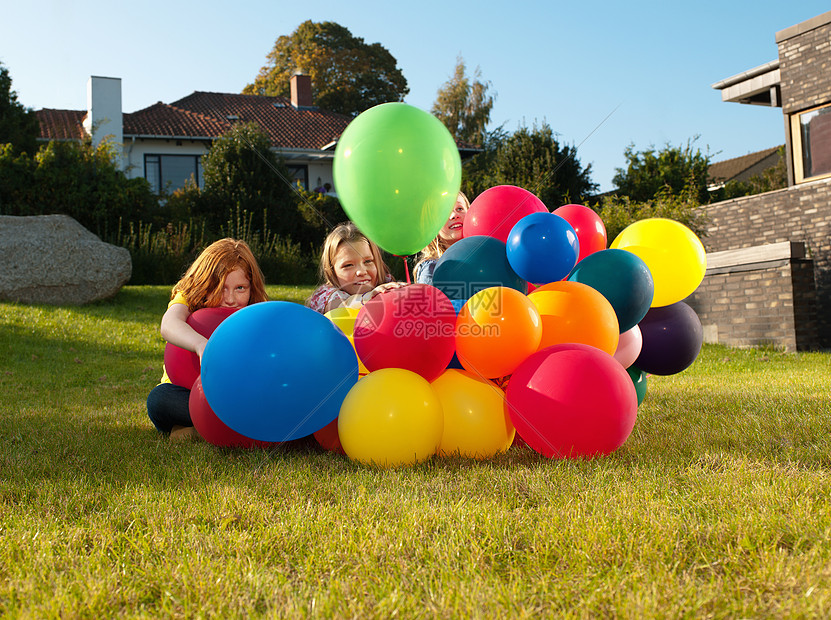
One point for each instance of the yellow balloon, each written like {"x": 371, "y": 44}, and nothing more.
{"x": 344, "y": 320}
{"x": 476, "y": 424}
{"x": 674, "y": 254}
{"x": 391, "y": 417}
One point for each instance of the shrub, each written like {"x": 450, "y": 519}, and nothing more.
{"x": 74, "y": 179}
{"x": 617, "y": 212}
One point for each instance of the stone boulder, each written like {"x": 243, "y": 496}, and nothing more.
{"x": 52, "y": 259}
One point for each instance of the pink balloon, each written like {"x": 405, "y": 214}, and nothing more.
{"x": 496, "y": 210}
{"x": 591, "y": 232}
{"x": 572, "y": 400}
{"x": 182, "y": 366}
{"x": 413, "y": 327}
{"x": 629, "y": 346}
{"x": 211, "y": 428}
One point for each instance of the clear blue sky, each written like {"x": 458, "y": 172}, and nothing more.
{"x": 567, "y": 63}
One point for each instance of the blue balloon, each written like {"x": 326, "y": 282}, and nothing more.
{"x": 458, "y": 304}
{"x": 277, "y": 371}
{"x": 542, "y": 248}
{"x": 623, "y": 279}
{"x": 473, "y": 264}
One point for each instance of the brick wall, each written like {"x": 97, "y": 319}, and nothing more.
{"x": 757, "y": 306}
{"x": 764, "y": 297}
{"x": 805, "y": 64}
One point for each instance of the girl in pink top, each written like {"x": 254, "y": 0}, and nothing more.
{"x": 352, "y": 271}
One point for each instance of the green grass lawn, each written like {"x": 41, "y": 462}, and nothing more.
{"x": 716, "y": 506}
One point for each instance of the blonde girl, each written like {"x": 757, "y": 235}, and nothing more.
{"x": 449, "y": 234}
{"x": 224, "y": 275}
{"x": 352, "y": 271}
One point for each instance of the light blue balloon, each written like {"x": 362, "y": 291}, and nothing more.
{"x": 277, "y": 371}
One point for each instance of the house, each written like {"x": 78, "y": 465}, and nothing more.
{"x": 768, "y": 279}
{"x": 165, "y": 142}
{"x": 742, "y": 168}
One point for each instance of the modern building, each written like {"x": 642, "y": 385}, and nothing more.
{"x": 768, "y": 278}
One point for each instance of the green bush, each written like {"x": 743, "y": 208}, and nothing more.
{"x": 161, "y": 255}
{"x": 617, "y": 212}
{"x": 74, "y": 179}
{"x": 17, "y": 173}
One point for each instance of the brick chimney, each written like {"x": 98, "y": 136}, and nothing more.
{"x": 301, "y": 90}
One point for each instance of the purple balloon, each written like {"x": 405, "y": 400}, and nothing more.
{"x": 672, "y": 338}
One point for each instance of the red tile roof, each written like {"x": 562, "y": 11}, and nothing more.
{"x": 209, "y": 115}
{"x": 287, "y": 126}
{"x": 167, "y": 121}
{"x": 61, "y": 124}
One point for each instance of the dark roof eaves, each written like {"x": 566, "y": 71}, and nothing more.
{"x": 145, "y": 136}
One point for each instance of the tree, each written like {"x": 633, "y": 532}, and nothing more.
{"x": 348, "y": 75}
{"x": 19, "y": 125}
{"x": 241, "y": 172}
{"x": 648, "y": 172}
{"x": 618, "y": 212}
{"x": 534, "y": 160}
{"x": 464, "y": 105}
{"x": 75, "y": 179}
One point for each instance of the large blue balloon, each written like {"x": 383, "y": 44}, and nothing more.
{"x": 542, "y": 248}
{"x": 277, "y": 371}
{"x": 623, "y": 279}
{"x": 672, "y": 339}
{"x": 473, "y": 264}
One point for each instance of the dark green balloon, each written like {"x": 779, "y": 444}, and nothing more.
{"x": 639, "y": 379}
{"x": 623, "y": 279}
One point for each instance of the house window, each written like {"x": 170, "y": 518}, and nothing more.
{"x": 299, "y": 174}
{"x": 811, "y": 137}
{"x": 171, "y": 172}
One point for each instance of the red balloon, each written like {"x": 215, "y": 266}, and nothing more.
{"x": 572, "y": 400}
{"x": 496, "y": 210}
{"x": 591, "y": 232}
{"x": 329, "y": 439}
{"x": 182, "y": 366}
{"x": 211, "y": 428}
{"x": 412, "y": 327}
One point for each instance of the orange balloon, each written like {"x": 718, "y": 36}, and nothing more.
{"x": 573, "y": 312}
{"x": 495, "y": 331}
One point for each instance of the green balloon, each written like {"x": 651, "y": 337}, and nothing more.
{"x": 397, "y": 173}
{"x": 639, "y": 379}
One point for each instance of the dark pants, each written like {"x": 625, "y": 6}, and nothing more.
{"x": 167, "y": 406}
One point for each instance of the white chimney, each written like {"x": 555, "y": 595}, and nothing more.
{"x": 104, "y": 117}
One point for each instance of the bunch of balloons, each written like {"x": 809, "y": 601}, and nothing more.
{"x": 533, "y": 327}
